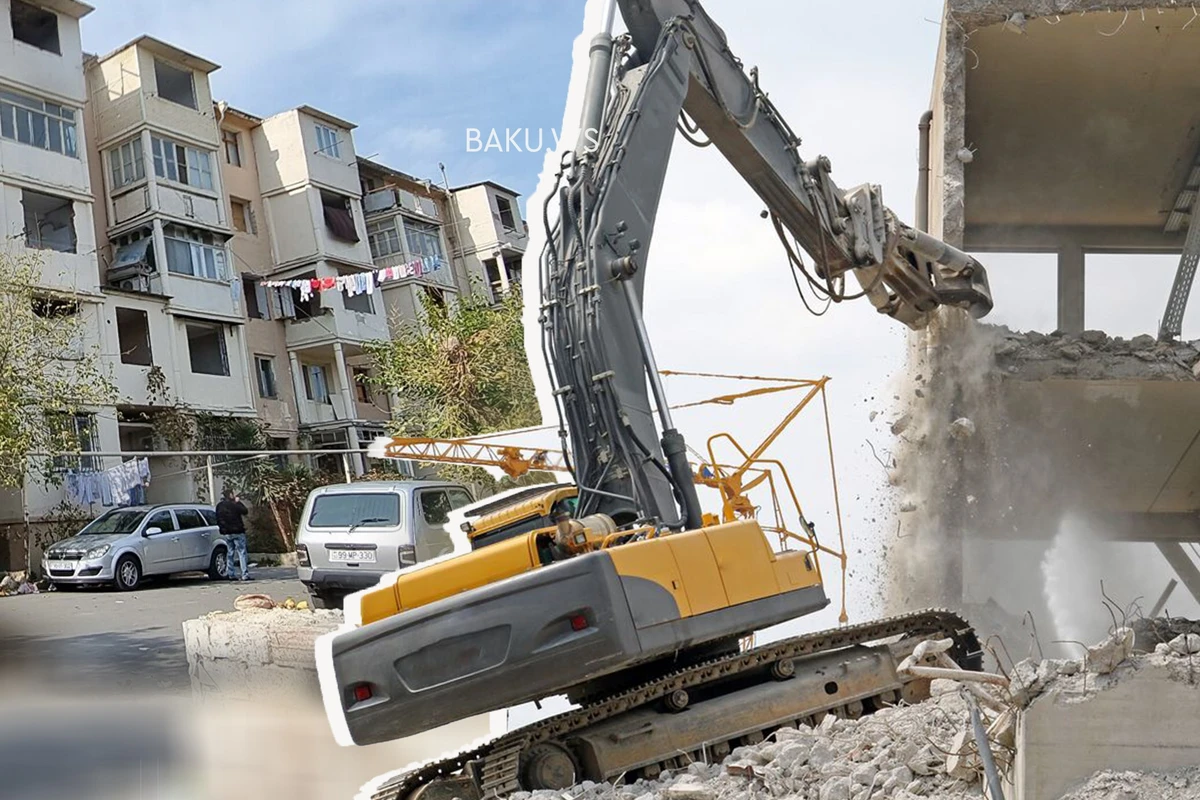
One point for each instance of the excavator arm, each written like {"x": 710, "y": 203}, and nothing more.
{"x": 674, "y": 70}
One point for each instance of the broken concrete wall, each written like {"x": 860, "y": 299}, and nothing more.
{"x": 1018, "y": 447}
{"x": 1142, "y": 717}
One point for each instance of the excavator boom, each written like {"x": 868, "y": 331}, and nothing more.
{"x": 619, "y": 592}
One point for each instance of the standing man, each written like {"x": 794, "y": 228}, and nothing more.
{"x": 231, "y": 521}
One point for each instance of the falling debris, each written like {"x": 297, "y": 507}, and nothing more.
{"x": 962, "y": 428}
{"x": 901, "y": 425}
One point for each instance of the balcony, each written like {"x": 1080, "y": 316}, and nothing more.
{"x": 337, "y": 324}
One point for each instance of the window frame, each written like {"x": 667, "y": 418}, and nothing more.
{"x": 328, "y": 141}
{"x": 19, "y": 6}
{"x": 232, "y": 137}
{"x": 512, "y": 214}
{"x": 49, "y": 113}
{"x": 224, "y": 348}
{"x": 419, "y": 233}
{"x": 384, "y": 230}
{"x": 191, "y": 166}
{"x": 191, "y": 76}
{"x": 81, "y": 462}
{"x": 35, "y": 240}
{"x": 198, "y": 248}
{"x": 127, "y": 163}
{"x": 259, "y": 374}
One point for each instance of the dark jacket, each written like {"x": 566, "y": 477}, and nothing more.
{"x": 230, "y": 515}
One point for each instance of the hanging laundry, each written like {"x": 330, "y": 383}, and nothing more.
{"x": 305, "y": 291}
{"x": 144, "y": 470}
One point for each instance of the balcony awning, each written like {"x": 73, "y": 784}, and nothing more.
{"x": 134, "y": 253}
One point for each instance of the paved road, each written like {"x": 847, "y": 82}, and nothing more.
{"x": 120, "y": 639}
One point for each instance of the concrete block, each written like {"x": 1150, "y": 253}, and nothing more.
{"x": 1146, "y": 721}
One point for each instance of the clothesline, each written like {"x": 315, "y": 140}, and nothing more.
{"x": 360, "y": 282}
{"x": 122, "y": 485}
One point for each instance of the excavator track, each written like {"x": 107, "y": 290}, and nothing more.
{"x": 493, "y": 769}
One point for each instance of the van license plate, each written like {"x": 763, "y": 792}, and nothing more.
{"x": 353, "y": 556}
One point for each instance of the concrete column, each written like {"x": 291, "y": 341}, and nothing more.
{"x": 298, "y": 386}
{"x": 343, "y": 387}
{"x": 358, "y": 461}
{"x": 1070, "y": 288}
{"x": 503, "y": 270}
{"x": 1183, "y": 565}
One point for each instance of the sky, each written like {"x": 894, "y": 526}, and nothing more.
{"x": 414, "y": 75}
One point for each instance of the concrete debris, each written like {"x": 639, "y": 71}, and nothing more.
{"x": 962, "y": 428}
{"x": 248, "y": 601}
{"x": 1185, "y": 644}
{"x": 1093, "y": 355}
{"x": 1112, "y": 785}
{"x": 901, "y": 425}
{"x": 1112, "y": 652}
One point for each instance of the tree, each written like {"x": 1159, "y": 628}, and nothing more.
{"x": 460, "y": 371}
{"x": 48, "y": 374}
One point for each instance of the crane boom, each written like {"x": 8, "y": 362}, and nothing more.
{"x": 675, "y": 64}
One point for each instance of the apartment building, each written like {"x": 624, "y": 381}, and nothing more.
{"x": 46, "y": 197}
{"x": 410, "y": 219}
{"x": 174, "y": 306}
{"x": 174, "y": 218}
{"x": 493, "y": 235}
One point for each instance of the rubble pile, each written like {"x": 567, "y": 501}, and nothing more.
{"x": 923, "y": 750}
{"x": 1110, "y": 785}
{"x": 1094, "y": 355}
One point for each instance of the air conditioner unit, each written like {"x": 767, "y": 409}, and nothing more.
{"x": 138, "y": 283}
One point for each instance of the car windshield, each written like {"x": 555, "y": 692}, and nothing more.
{"x": 361, "y": 510}
{"x": 116, "y": 521}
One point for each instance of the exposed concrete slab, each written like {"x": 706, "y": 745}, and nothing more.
{"x": 1147, "y": 721}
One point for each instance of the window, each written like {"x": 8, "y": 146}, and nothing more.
{"x": 126, "y": 163}
{"x": 161, "y": 520}
{"x": 362, "y": 388}
{"x": 316, "y": 388}
{"x": 242, "y": 216}
{"x": 38, "y": 123}
{"x": 35, "y": 26}
{"x": 493, "y": 276}
{"x": 73, "y": 433}
{"x": 49, "y": 222}
{"x": 265, "y": 367}
{"x": 424, "y": 239}
{"x": 433, "y": 539}
{"x": 383, "y": 238}
{"x": 360, "y": 303}
{"x": 206, "y": 349}
{"x": 327, "y": 142}
{"x": 233, "y": 148}
{"x": 339, "y": 219}
{"x": 189, "y": 518}
{"x": 507, "y": 218}
{"x": 133, "y": 334}
{"x": 194, "y": 253}
{"x": 358, "y": 510}
{"x": 182, "y": 164}
{"x": 255, "y": 295}
{"x": 175, "y": 84}
{"x": 210, "y": 517}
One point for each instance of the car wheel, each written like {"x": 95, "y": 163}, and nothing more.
{"x": 324, "y": 599}
{"x": 218, "y": 568}
{"x": 127, "y": 574}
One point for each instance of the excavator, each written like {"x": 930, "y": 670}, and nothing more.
{"x": 617, "y": 590}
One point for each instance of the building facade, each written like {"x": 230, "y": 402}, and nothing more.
{"x": 174, "y": 219}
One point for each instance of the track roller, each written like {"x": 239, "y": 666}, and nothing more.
{"x": 548, "y": 766}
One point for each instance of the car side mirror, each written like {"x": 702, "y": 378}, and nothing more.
{"x": 151, "y": 531}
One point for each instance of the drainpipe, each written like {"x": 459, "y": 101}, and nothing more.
{"x": 923, "y": 170}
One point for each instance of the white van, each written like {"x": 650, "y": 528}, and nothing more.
{"x": 351, "y": 534}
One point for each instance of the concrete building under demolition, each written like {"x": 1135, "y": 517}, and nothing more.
{"x": 1067, "y": 132}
